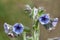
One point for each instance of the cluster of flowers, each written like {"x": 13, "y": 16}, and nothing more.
{"x": 44, "y": 18}
{"x": 48, "y": 22}
{"x": 14, "y": 30}
{"x": 36, "y": 14}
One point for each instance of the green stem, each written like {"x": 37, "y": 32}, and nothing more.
{"x": 24, "y": 36}
{"x": 36, "y": 33}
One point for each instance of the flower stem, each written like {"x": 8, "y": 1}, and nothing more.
{"x": 24, "y": 36}
{"x": 36, "y": 33}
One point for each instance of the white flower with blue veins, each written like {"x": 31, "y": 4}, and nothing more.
{"x": 18, "y": 28}
{"x": 55, "y": 21}
{"x": 7, "y": 28}
{"x": 44, "y": 19}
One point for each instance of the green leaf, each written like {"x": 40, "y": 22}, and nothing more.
{"x": 35, "y": 26}
{"x": 27, "y": 29}
{"x": 40, "y": 12}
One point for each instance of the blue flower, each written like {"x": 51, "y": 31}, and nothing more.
{"x": 18, "y": 28}
{"x": 6, "y": 27}
{"x": 44, "y": 19}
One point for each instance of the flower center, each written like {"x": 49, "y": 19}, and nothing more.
{"x": 43, "y": 18}
{"x": 18, "y": 27}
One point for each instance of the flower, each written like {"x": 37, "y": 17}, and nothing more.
{"x": 6, "y": 27}
{"x": 18, "y": 28}
{"x": 55, "y": 21}
{"x": 35, "y": 11}
{"x": 44, "y": 19}
{"x": 27, "y": 7}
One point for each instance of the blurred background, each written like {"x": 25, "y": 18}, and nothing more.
{"x": 12, "y": 11}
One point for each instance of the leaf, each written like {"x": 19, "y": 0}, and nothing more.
{"x": 40, "y": 12}
{"x": 36, "y": 25}
{"x": 27, "y": 29}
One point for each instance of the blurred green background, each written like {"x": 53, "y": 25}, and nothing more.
{"x": 12, "y": 11}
